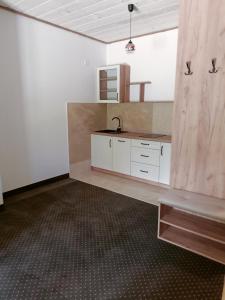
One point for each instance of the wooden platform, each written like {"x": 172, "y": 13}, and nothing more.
{"x": 193, "y": 222}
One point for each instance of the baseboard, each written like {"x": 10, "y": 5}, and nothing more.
{"x": 34, "y": 185}
{"x": 2, "y": 207}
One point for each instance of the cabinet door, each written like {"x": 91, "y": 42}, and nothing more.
{"x": 121, "y": 155}
{"x": 101, "y": 152}
{"x": 108, "y": 84}
{"x": 165, "y": 159}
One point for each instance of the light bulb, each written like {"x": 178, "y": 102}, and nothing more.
{"x": 130, "y": 47}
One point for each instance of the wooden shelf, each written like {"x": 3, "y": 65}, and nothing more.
{"x": 140, "y": 82}
{"x": 206, "y": 206}
{"x": 194, "y": 224}
{"x": 192, "y": 242}
{"x": 108, "y": 78}
{"x": 109, "y": 90}
{"x": 182, "y": 223}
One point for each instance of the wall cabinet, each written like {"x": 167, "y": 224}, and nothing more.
{"x": 113, "y": 84}
{"x": 121, "y": 155}
{"x": 143, "y": 159}
{"x": 102, "y": 152}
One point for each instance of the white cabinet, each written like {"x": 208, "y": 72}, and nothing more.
{"x": 146, "y": 144}
{"x": 102, "y": 152}
{"x": 146, "y": 172}
{"x": 113, "y": 84}
{"x": 145, "y": 156}
{"x": 121, "y": 155}
{"x": 165, "y": 158}
{"x": 144, "y": 159}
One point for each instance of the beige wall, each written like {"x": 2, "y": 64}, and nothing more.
{"x": 142, "y": 117}
{"x": 83, "y": 118}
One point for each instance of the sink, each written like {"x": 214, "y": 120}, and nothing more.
{"x": 110, "y": 131}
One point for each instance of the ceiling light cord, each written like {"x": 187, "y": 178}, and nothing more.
{"x": 130, "y": 47}
{"x": 130, "y": 25}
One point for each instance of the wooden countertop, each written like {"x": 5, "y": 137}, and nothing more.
{"x": 137, "y": 136}
{"x": 213, "y": 208}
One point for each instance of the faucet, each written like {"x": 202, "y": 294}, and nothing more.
{"x": 119, "y": 127}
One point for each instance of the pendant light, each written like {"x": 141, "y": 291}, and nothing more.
{"x": 130, "y": 47}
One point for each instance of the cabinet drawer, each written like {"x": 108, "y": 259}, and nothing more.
{"x": 145, "y": 156}
{"x": 146, "y": 144}
{"x": 145, "y": 171}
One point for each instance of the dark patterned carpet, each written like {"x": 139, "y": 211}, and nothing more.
{"x": 78, "y": 241}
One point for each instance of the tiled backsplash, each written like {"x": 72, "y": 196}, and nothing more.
{"x": 153, "y": 117}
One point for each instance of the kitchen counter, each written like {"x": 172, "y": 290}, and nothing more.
{"x": 137, "y": 136}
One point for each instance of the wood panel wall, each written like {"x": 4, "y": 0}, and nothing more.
{"x": 198, "y": 156}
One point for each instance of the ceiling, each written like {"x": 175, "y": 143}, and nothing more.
{"x": 106, "y": 20}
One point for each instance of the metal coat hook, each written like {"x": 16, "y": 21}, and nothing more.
{"x": 214, "y": 70}
{"x": 188, "y": 64}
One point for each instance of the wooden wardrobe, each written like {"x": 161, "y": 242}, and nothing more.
{"x": 198, "y": 156}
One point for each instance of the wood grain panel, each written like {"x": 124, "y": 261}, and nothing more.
{"x": 198, "y": 160}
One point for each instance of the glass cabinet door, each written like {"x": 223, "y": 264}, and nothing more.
{"x": 108, "y": 84}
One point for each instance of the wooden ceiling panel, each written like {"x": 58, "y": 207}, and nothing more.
{"x": 106, "y": 20}
{"x": 109, "y": 21}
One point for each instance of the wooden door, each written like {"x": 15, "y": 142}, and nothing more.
{"x": 198, "y": 153}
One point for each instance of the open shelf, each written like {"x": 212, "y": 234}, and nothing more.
{"x": 192, "y": 242}
{"x": 194, "y": 224}
{"x": 112, "y": 78}
{"x": 109, "y": 90}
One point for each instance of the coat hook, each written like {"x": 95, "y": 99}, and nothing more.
{"x": 214, "y": 70}
{"x": 188, "y": 64}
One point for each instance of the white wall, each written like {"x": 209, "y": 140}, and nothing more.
{"x": 154, "y": 60}
{"x": 41, "y": 68}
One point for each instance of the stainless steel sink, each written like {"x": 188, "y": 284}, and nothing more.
{"x": 110, "y": 131}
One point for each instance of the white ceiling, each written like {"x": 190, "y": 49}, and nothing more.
{"x": 106, "y": 20}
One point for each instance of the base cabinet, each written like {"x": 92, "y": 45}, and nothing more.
{"x": 121, "y": 155}
{"x": 102, "y": 152}
{"x": 148, "y": 160}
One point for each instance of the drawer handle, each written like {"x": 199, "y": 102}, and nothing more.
{"x": 121, "y": 141}
{"x": 142, "y": 171}
{"x": 142, "y": 155}
{"x": 144, "y": 144}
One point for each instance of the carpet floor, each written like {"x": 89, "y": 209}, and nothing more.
{"x": 79, "y": 241}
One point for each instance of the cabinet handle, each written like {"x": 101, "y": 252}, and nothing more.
{"x": 142, "y": 171}
{"x": 161, "y": 150}
{"x": 110, "y": 143}
{"x": 144, "y": 155}
{"x": 121, "y": 141}
{"x": 145, "y": 144}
